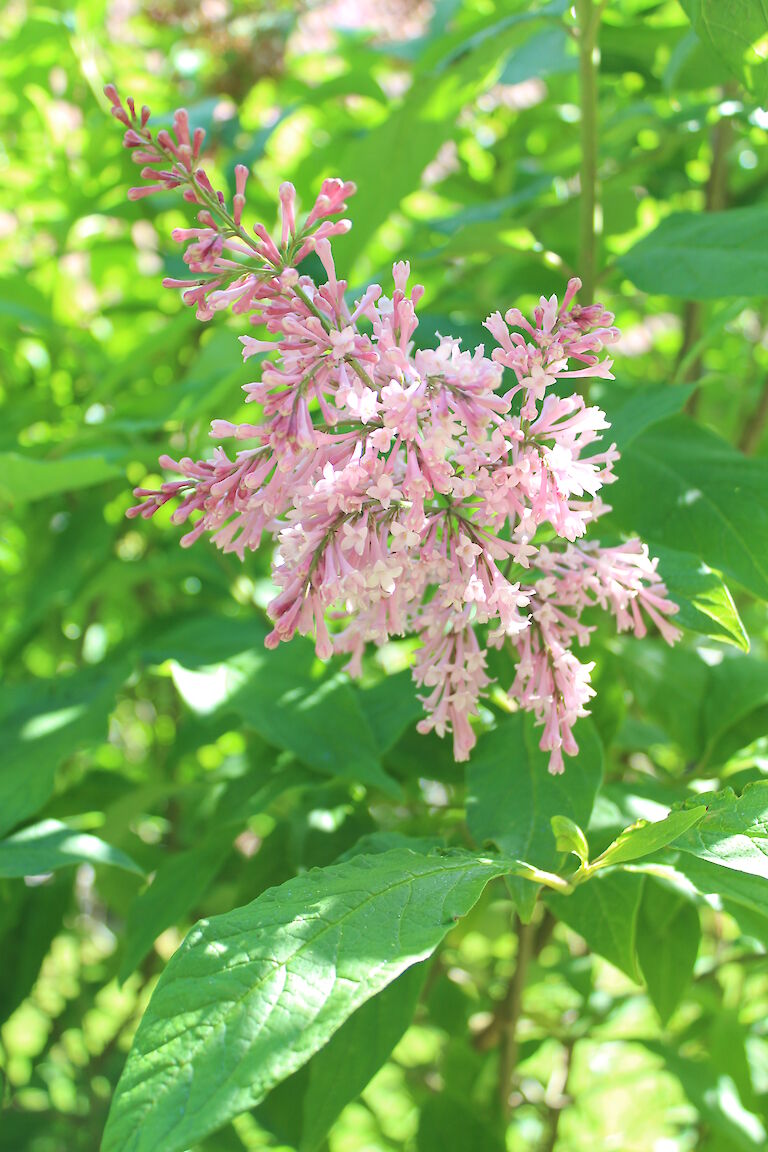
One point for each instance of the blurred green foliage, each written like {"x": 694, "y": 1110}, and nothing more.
{"x": 145, "y": 726}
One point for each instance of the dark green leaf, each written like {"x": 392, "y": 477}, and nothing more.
{"x": 450, "y": 1125}
{"x": 511, "y": 797}
{"x": 604, "y": 911}
{"x": 683, "y": 487}
{"x": 668, "y": 936}
{"x": 339, "y": 1072}
{"x": 643, "y": 408}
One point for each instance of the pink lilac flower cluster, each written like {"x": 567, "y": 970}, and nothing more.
{"x": 408, "y": 490}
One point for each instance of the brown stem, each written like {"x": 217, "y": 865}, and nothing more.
{"x": 512, "y": 1007}
{"x": 752, "y": 433}
{"x": 557, "y": 1097}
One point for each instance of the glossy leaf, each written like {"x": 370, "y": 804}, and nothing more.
{"x": 252, "y": 994}
{"x": 50, "y": 845}
{"x": 704, "y": 601}
{"x": 643, "y": 839}
{"x": 733, "y": 831}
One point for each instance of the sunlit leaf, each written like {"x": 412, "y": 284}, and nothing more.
{"x": 252, "y": 994}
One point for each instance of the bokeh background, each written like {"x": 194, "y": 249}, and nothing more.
{"x": 460, "y": 122}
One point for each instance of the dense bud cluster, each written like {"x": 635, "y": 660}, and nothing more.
{"x": 421, "y": 492}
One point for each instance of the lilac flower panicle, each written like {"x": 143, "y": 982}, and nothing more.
{"x": 404, "y": 488}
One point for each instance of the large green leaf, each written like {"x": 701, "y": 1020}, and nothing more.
{"x": 734, "y": 705}
{"x": 733, "y": 831}
{"x": 50, "y": 845}
{"x": 668, "y": 935}
{"x": 710, "y": 710}
{"x": 300, "y": 1111}
{"x": 511, "y": 797}
{"x": 683, "y": 487}
{"x": 744, "y": 897}
{"x": 737, "y": 32}
{"x": 251, "y": 995}
{"x": 604, "y": 911}
{"x": 703, "y": 256}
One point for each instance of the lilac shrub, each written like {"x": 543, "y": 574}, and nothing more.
{"x": 423, "y": 492}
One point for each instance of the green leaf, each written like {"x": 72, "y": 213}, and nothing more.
{"x": 643, "y": 839}
{"x": 300, "y": 1111}
{"x": 390, "y": 707}
{"x": 735, "y": 30}
{"x": 734, "y": 830}
{"x": 26, "y": 941}
{"x": 570, "y": 838}
{"x": 668, "y": 935}
{"x": 220, "y": 666}
{"x": 738, "y": 892}
{"x": 511, "y": 797}
{"x": 546, "y": 53}
{"x": 643, "y": 408}
{"x": 734, "y": 702}
{"x": 50, "y": 845}
{"x": 251, "y": 995}
{"x": 25, "y": 478}
{"x": 604, "y": 911}
{"x": 684, "y": 487}
{"x": 44, "y": 722}
{"x": 178, "y": 886}
{"x": 340, "y": 1071}
{"x": 706, "y": 606}
{"x": 703, "y": 255}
